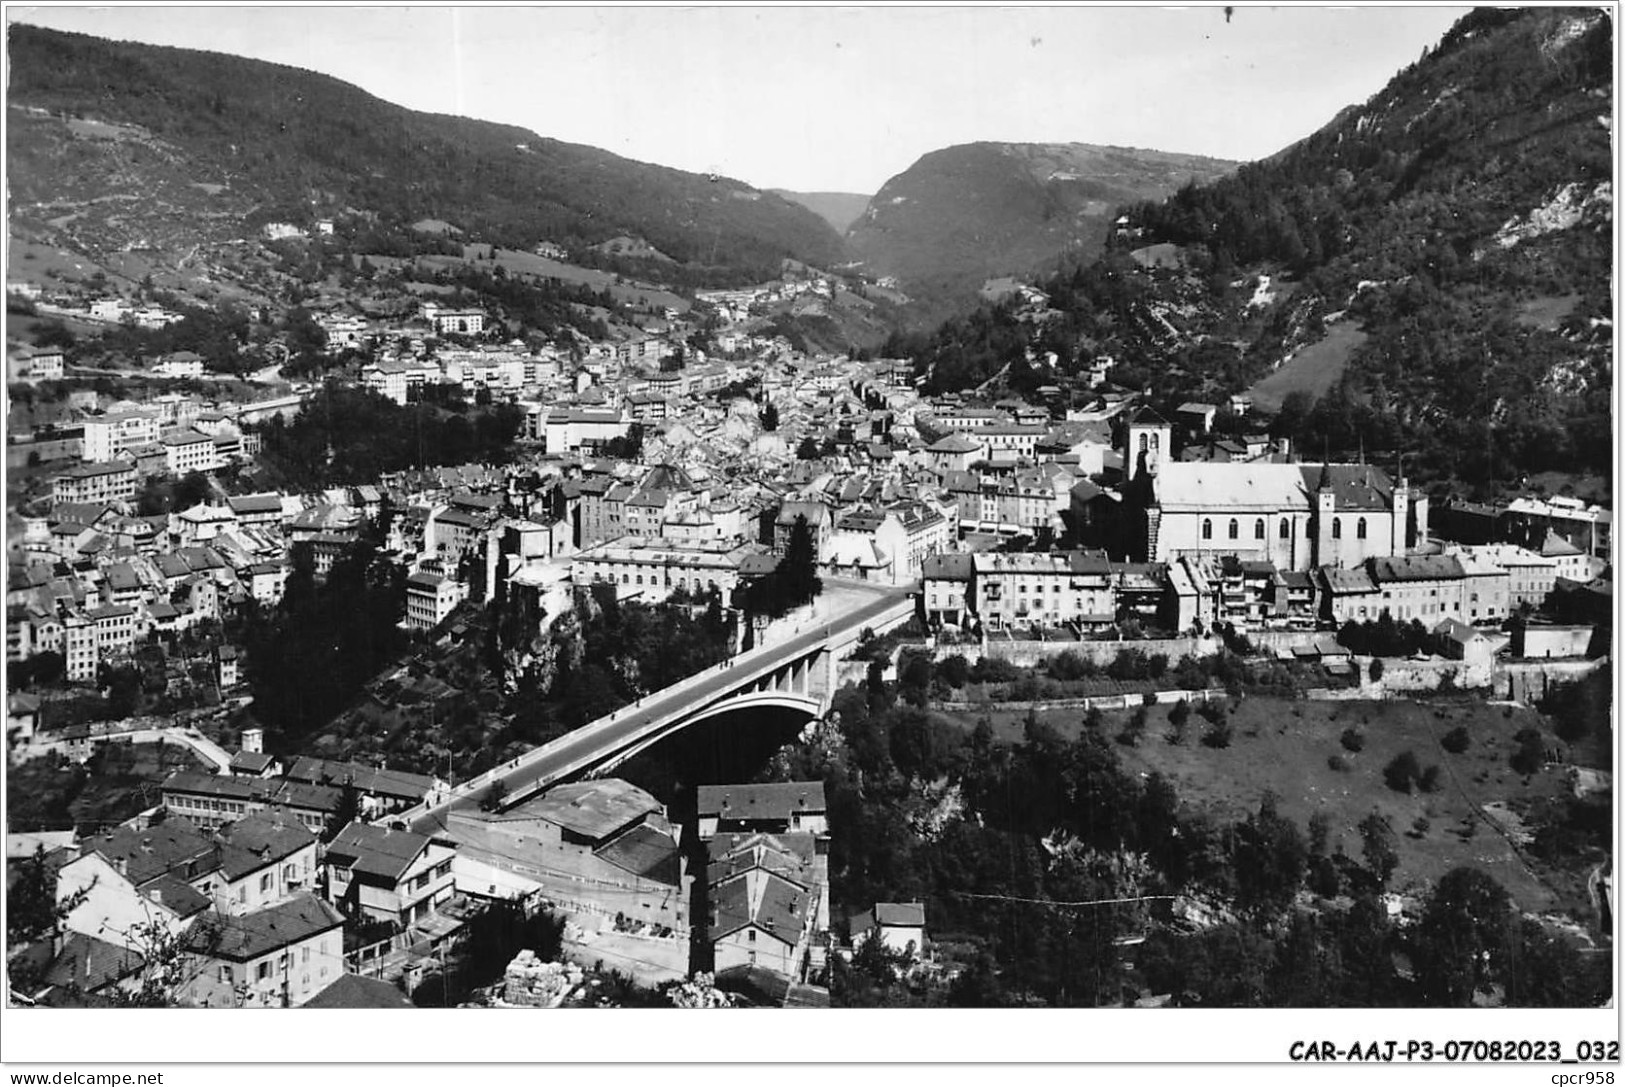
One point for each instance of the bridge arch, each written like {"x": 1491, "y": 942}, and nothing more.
{"x": 810, "y": 705}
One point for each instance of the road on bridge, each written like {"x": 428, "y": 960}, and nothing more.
{"x": 560, "y": 754}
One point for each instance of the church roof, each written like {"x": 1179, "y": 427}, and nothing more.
{"x": 1354, "y": 486}
{"x": 1201, "y": 486}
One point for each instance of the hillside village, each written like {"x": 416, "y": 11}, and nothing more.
{"x": 1012, "y": 522}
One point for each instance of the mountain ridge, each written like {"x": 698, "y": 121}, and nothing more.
{"x": 288, "y": 143}
{"x": 839, "y": 209}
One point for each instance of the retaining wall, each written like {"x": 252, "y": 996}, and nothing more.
{"x": 1528, "y": 681}
{"x": 1101, "y": 702}
{"x": 1027, "y": 653}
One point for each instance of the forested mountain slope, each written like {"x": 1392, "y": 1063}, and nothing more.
{"x": 1434, "y": 264}
{"x": 118, "y": 143}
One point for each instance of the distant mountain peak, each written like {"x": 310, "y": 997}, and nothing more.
{"x": 839, "y": 209}
{"x": 965, "y": 213}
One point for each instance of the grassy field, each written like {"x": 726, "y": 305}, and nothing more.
{"x": 516, "y": 262}
{"x": 36, "y": 262}
{"x": 1313, "y": 370}
{"x": 1587, "y": 488}
{"x": 1547, "y": 311}
{"x": 1285, "y": 746}
{"x": 22, "y": 328}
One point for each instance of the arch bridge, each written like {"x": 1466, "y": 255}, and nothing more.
{"x": 796, "y": 673}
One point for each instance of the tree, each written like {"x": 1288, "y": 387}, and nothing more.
{"x": 1464, "y": 939}
{"x": 1066, "y": 665}
{"x": 1377, "y": 843}
{"x": 1132, "y": 732}
{"x": 1402, "y": 772}
{"x": 1320, "y": 832}
{"x": 1218, "y": 734}
{"x": 1582, "y": 708}
{"x": 32, "y": 909}
{"x": 914, "y": 678}
{"x": 123, "y": 686}
{"x": 1270, "y": 858}
{"x": 42, "y": 669}
{"x": 799, "y": 570}
{"x": 953, "y": 670}
{"x": 169, "y": 960}
{"x": 879, "y": 693}
{"x": 346, "y": 812}
{"x": 770, "y": 418}
{"x": 1531, "y": 753}
{"x": 1178, "y": 718}
{"x": 809, "y": 449}
{"x": 1456, "y": 740}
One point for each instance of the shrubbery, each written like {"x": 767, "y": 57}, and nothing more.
{"x": 1072, "y": 665}
{"x": 1403, "y": 772}
{"x": 1531, "y": 753}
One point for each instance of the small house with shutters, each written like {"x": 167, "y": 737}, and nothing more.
{"x": 899, "y": 926}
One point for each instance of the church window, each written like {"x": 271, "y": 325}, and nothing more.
{"x": 1207, "y": 528}
{"x": 1337, "y": 528}
{"x": 1258, "y": 529}
{"x": 1359, "y": 528}
{"x": 1235, "y": 528}
{"x": 1286, "y": 529}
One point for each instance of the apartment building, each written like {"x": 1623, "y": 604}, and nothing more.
{"x": 107, "y": 481}
{"x": 109, "y": 437}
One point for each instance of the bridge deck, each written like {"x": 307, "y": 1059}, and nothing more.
{"x": 600, "y": 740}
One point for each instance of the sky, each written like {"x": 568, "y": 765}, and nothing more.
{"x": 829, "y": 99}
